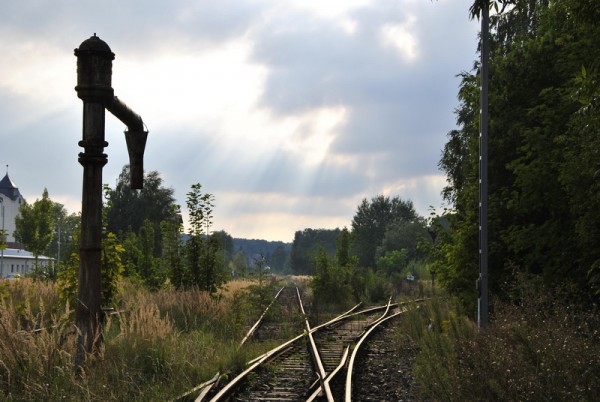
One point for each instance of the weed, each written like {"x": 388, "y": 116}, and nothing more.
{"x": 539, "y": 346}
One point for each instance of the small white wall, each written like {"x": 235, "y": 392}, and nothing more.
{"x": 11, "y": 210}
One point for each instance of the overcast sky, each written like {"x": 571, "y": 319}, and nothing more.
{"x": 289, "y": 111}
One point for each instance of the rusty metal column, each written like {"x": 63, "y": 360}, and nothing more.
{"x": 94, "y": 72}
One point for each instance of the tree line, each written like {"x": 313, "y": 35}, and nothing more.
{"x": 143, "y": 240}
{"x": 544, "y": 177}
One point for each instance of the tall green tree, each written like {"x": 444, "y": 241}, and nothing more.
{"x": 34, "y": 225}
{"x": 371, "y": 221}
{"x": 127, "y": 209}
{"x": 66, "y": 228}
{"x": 238, "y": 266}
{"x": 201, "y": 248}
{"x": 172, "y": 261}
{"x": 331, "y": 283}
{"x": 278, "y": 259}
{"x": 342, "y": 249}
{"x": 306, "y": 243}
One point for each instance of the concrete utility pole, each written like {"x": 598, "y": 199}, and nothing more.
{"x": 94, "y": 74}
{"x": 482, "y": 282}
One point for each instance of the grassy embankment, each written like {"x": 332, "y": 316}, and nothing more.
{"x": 540, "y": 346}
{"x": 161, "y": 345}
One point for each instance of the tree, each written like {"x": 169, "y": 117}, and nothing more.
{"x": 371, "y": 222}
{"x": 331, "y": 286}
{"x": 201, "y": 248}
{"x": 278, "y": 259}
{"x": 239, "y": 264}
{"x": 66, "y": 228}
{"x": 403, "y": 235}
{"x": 305, "y": 245}
{"x": 393, "y": 263}
{"x": 111, "y": 274}
{"x": 127, "y": 209}
{"x": 148, "y": 266}
{"x": 34, "y": 224}
{"x": 112, "y": 268}
{"x": 172, "y": 249}
{"x": 342, "y": 249}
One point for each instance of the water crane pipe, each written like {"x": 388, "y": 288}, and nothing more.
{"x": 135, "y": 137}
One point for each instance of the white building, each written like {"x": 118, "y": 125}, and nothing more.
{"x": 13, "y": 260}
{"x": 10, "y": 201}
{"x": 16, "y": 261}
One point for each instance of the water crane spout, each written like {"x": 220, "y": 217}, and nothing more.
{"x": 135, "y": 136}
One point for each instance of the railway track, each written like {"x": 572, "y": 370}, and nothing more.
{"x": 315, "y": 365}
{"x": 304, "y": 368}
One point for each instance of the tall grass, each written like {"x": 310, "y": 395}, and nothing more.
{"x": 157, "y": 345}
{"x": 539, "y": 346}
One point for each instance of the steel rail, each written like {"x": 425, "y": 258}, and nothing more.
{"x": 330, "y": 322}
{"x": 208, "y": 385}
{"x": 331, "y": 375}
{"x": 259, "y": 321}
{"x": 253, "y": 364}
{"x": 348, "y": 390}
{"x": 314, "y": 351}
{"x": 198, "y": 387}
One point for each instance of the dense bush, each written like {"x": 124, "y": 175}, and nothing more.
{"x": 540, "y": 346}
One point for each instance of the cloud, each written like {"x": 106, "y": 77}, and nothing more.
{"x": 290, "y": 112}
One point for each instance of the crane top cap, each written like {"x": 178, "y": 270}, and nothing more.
{"x": 95, "y": 45}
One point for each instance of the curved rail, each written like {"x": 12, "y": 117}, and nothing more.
{"x": 348, "y": 389}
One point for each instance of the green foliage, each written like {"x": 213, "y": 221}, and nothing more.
{"x": 200, "y": 210}
{"x": 111, "y": 273}
{"x": 112, "y": 268}
{"x": 2, "y": 239}
{"x": 67, "y": 280}
{"x": 540, "y": 346}
{"x": 172, "y": 260}
{"x": 127, "y": 209}
{"x": 331, "y": 285}
{"x": 393, "y": 262}
{"x": 206, "y": 271}
{"x": 372, "y": 220}
{"x": 342, "y": 249}
{"x": 544, "y": 210}
{"x": 403, "y": 235}
{"x": 131, "y": 255}
{"x": 279, "y": 259}
{"x": 238, "y": 266}
{"x": 66, "y": 229}
{"x": 34, "y": 225}
{"x": 305, "y": 246}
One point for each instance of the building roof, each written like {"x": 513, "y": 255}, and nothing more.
{"x": 8, "y": 188}
{"x": 20, "y": 253}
